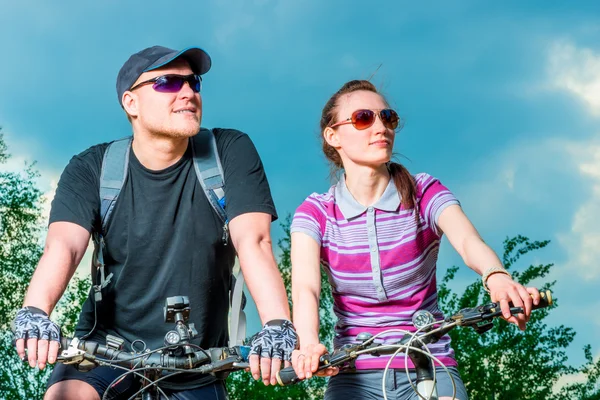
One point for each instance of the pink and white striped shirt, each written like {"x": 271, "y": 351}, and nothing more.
{"x": 380, "y": 261}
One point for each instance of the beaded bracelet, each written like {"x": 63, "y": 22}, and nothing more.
{"x": 491, "y": 271}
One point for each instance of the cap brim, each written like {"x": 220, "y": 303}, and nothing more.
{"x": 199, "y": 60}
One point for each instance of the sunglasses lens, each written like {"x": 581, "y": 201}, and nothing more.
{"x": 389, "y": 118}
{"x": 168, "y": 84}
{"x": 174, "y": 83}
{"x": 362, "y": 119}
{"x": 195, "y": 83}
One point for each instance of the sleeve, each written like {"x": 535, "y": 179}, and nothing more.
{"x": 77, "y": 197}
{"x": 246, "y": 187}
{"x": 310, "y": 219}
{"x": 433, "y": 198}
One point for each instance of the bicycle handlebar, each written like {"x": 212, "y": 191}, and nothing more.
{"x": 479, "y": 318}
{"x": 89, "y": 354}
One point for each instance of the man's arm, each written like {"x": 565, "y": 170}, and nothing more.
{"x": 66, "y": 244}
{"x": 251, "y": 236}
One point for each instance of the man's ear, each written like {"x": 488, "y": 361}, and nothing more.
{"x": 331, "y": 137}
{"x": 130, "y": 103}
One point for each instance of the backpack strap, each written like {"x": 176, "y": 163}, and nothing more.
{"x": 112, "y": 177}
{"x": 237, "y": 322}
{"x": 209, "y": 171}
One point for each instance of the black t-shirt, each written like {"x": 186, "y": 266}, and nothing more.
{"x": 163, "y": 239}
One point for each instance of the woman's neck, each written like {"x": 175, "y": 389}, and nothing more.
{"x": 367, "y": 184}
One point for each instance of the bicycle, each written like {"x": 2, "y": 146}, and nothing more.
{"x": 413, "y": 344}
{"x": 176, "y": 357}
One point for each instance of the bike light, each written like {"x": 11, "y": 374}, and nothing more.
{"x": 363, "y": 336}
{"x": 422, "y": 319}
{"x": 172, "y": 338}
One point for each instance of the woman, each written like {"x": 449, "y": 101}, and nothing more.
{"x": 377, "y": 233}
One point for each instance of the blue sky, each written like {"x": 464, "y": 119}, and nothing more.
{"x": 501, "y": 102}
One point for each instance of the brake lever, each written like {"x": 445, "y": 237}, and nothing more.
{"x": 76, "y": 357}
{"x": 70, "y": 359}
{"x": 486, "y": 313}
{"x": 71, "y": 355}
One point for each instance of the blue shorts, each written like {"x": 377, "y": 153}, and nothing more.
{"x": 366, "y": 384}
{"x": 101, "y": 377}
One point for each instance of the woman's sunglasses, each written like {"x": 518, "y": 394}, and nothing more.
{"x": 172, "y": 83}
{"x": 363, "y": 119}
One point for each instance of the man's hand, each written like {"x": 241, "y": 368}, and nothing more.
{"x": 42, "y": 335}
{"x": 274, "y": 344}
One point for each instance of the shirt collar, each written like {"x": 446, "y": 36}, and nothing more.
{"x": 389, "y": 200}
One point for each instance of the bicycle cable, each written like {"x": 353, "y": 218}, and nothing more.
{"x": 428, "y": 354}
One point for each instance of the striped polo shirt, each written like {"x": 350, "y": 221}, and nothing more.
{"x": 380, "y": 260}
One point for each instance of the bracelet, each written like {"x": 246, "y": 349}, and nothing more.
{"x": 491, "y": 271}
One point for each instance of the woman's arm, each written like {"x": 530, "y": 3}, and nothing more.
{"x": 306, "y": 289}
{"x": 480, "y": 258}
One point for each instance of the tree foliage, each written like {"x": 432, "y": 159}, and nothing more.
{"x": 20, "y": 249}
{"x": 505, "y": 363}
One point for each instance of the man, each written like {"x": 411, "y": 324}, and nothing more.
{"x": 163, "y": 238}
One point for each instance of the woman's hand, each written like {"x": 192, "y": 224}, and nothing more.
{"x": 306, "y": 361}
{"x": 504, "y": 290}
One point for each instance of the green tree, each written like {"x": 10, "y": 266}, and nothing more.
{"x": 506, "y": 363}
{"x": 241, "y": 385}
{"x": 20, "y": 249}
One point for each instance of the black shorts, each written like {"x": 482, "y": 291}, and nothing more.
{"x": 101, "y": 377}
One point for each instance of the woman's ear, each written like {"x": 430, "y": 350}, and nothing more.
{"x": 331, "y": 137}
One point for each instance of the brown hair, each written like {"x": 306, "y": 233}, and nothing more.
{"x": 403, "y": 180}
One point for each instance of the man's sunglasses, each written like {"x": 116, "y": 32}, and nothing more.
{"x": 363, "y": 119}
{"x": 172, "y": 83}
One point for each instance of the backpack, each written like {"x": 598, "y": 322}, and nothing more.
{"x": 209, "y": 172}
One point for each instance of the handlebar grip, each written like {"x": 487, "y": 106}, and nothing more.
{"x": 65, "y": 342}
{"x": 287, "y": 376}
{"x": 545, "y": 300}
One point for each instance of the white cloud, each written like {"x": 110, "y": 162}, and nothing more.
{"x": 20, "y": 158}
{"x": 582, "y": 241}
{"x": 571, "y": 379}
{"x": 576, "y": 70}
{"x": 48, "y": 196}
{"x": 528, "y": 185}
{"x": 568, "y": 380}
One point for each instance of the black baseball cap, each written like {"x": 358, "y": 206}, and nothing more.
{"x": 155, "y": 57}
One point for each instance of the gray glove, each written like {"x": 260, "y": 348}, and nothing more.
{"x": 277, "y": 339}
{"x": 33, "y": 323}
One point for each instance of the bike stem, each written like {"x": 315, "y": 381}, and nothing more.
{"x": 425, "y": 376}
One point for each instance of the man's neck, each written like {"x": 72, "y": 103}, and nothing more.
{"x": 158, "y": 152}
